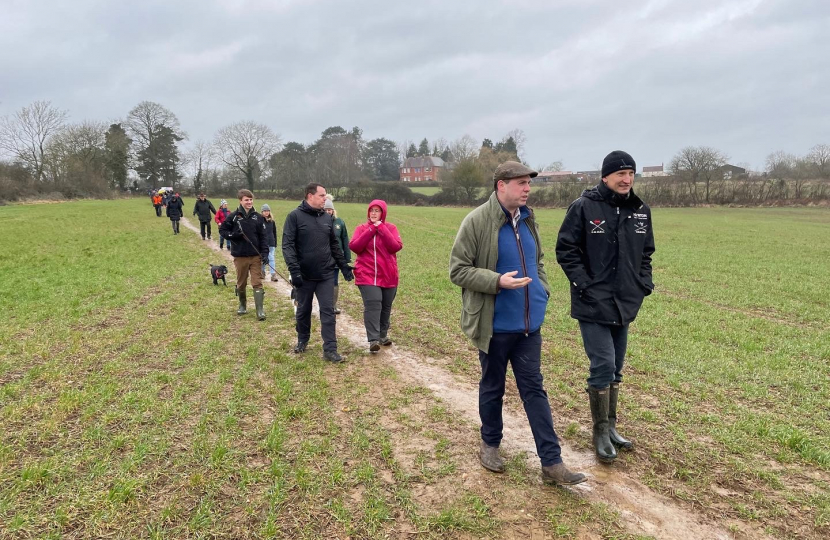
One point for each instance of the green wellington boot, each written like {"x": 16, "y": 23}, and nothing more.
{"x": 616, "y": 438}
{"x": 259, "y": 302}
{"x": 243, "y": 302}
{"x": 606, "y": 453}
{"x": 335, "y": 296}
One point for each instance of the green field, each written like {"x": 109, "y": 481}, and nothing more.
{"x": 424, "y": 190}
{"x": 135, "y": 403}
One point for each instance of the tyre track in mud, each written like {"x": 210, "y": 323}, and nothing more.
{"x": 641, "y": 510}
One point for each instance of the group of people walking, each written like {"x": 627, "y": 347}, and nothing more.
{"x": 604, "y": 247}
{"x": 317, "y": 250}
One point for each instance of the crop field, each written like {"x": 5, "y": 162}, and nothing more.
{"x": 135, "y": 403}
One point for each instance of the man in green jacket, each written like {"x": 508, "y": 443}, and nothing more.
{"x": 497, "y": 261}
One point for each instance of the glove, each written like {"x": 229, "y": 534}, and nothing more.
{"x": 265, "y": 260}
{"x": 296, "y": 280}
{"x": 348, "y": 274}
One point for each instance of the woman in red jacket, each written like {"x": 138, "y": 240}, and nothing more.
{"x": 376, "y": 244}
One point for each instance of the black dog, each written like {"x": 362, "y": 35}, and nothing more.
{"x": 217, "y": 273}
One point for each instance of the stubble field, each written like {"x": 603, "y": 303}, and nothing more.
{"x": 135, "y": 403}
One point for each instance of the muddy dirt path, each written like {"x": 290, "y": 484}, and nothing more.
{"x": 643, "y": 511}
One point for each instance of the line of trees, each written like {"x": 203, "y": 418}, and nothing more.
{"x": 48, "y": 156}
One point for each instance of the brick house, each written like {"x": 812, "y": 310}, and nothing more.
{"x": 421, "y": 169}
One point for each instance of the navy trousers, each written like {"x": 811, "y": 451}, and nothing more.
{"x": 524, "y": 354}
{"x": 605, "y": 346}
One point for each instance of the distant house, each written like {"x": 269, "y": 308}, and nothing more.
{"x": 731, "y": 171}
{"x": 421, "y": 169}
{"x": 553, "y": 176}
{"x": 656, "y": 170}
{"x": 588, "y": 175}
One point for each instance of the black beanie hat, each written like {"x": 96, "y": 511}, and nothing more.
{"x": 617, "y": 161}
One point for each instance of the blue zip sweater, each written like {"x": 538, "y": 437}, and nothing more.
{"x": 519, "y": 310}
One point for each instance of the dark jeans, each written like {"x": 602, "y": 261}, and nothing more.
{"x": 158, "y": 211}
{"x": 325, "y": 298}
{"x": 524, "y": 353}
{"x": 377, "y": 308}
{"x": 605, "y": 346}
{"x": 204, "y": 225}
{"x": 175, "y": 224}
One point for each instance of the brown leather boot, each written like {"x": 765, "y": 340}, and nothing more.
{"x": 560, "y": 475}
{"x": 490, "y": 458}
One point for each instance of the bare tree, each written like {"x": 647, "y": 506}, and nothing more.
{"x": 520, "y": 139}
{"x": 27, "y": 133}
{"x": 554, "y": 166}
{"x": 819, "y": 157}
{"x": 198, "y": 159}
{"x": 464, "y": 148}
{"x": 246, "y": 146}
{"x": 695, "y": 164}
{"x": 145, "y": 120}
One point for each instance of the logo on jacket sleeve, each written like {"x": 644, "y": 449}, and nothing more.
{"x": 597, "y": 226}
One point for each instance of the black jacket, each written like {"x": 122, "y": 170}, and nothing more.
{"x": 175, "y": 208}
{"x": 203, "y": 209}
{"x": 271, "y": 231}
{"x": 604, "y": 247}
{"x": 253, "y": 225}
{"x": 309, "y": 245}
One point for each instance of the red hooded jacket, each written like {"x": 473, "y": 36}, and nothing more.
{"x": 376, "y": 248}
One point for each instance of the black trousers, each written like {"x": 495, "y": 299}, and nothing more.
{"x": 158, "y": 210}
{"x": 202, "y": 226}
{"x": 325, "y": 298}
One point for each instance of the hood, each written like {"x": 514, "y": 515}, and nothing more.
{"x": 382, "y": 205}
{"x": 308, "y": 209}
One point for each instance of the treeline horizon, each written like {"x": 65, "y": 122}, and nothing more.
{"x": 49, "y": 158}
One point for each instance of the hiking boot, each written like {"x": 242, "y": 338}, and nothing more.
{"x": 300, "y": 347}
{"x": 333, "y": 357}
{"x": 490, "y": 458}
{"x": 374, "y": 346}
{"x": 274, "y": 277}
{"x": 243, "y": 302}
{"x": 560, "y": 475}
{"x": 616, "y": 438}
{"x": 606, "y": 453}
{"x": 259, "y": 301}
{"x": 385, "y": 341}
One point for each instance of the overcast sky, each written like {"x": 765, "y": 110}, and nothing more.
{"x": 579, "y": 77}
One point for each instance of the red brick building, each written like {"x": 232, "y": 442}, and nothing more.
{"x": 421, "y": 169}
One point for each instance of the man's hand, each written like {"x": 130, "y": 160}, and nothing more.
{"x": 296, "y": 280}
{"x": 507, "y": 281}
{"x": 348, "y": 274}
{"x": 266, "y": 261}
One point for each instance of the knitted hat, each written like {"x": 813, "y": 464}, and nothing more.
{"x": 223, "y": 202}
{"x": 328, "y": 205}
{"x": 266, "y": 208}
{"x": 617, "y": 161}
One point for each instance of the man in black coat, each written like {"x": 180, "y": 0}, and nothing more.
{"x": 313, "y": 256}
{"x": 605, "y": 246}
{"x": 204, "y": 208}
{"x": 175, "y": 211}
{"x": 245, "y": 229}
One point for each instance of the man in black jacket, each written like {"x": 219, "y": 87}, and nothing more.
{"x": 605, "y": 246}
{"x": 313, "y": 255}
{"x": 245, "y": 228}
{"x": 204, "y": 208}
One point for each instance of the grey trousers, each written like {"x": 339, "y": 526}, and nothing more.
{"x": 377, "y": 308}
